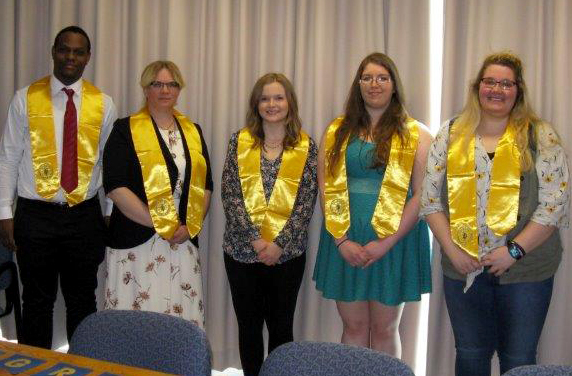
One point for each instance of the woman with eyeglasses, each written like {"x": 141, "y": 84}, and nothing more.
{"x": 269, "y": 190}
{"x": 495, "y": 196}
{"x": 156, "y": 170}
{"x": 373, "y": 255}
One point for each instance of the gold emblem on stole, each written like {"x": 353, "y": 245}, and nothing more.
{"x": 162, "y": 206}
{"x": 46, "y": 171}
{"x": 463, "y": 235}
{"x": 336, "y": 206}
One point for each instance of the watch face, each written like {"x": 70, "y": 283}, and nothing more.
{"x": 514, "y": 253}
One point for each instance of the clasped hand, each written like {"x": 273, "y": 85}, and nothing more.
{"x": 180, "y": 235}
{"x": 268, "y": 252}
{"x": 363, "y": 256}
{"x": 498, "y": 261}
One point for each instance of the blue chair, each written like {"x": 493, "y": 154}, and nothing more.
{"x": 330, "y": 359}
{"x": 540, "y": 370}
{"x": 9, "y": 283}
{"x": 144, "y": 339}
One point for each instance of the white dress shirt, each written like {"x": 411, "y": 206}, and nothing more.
{"x": 16, "y": 172}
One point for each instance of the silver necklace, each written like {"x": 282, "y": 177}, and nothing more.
{"x": 272, "y": 145}
{"x": 169, "y": 127}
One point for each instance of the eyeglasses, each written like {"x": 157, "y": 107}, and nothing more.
{"x": 158, "y": 85}
{"x": 381, "y": 79}
{"x": 490, "y": 83}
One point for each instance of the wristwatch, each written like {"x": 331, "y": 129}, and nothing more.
{"x": 515, "y": 250}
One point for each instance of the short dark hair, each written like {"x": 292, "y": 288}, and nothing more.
{"x": 73, "y": 29}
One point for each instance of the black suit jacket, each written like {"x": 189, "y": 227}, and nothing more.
{"x": 121, "y": 168}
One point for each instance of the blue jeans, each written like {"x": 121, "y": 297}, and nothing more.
{"x": 493, "y": 317}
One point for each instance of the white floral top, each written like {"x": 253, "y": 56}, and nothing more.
{"x": 173, "y": 141}
{"x": 553, "y": 193}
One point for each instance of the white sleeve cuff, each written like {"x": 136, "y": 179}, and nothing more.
{"x": 6, "y": 212}
{"x": 108, "y": 206}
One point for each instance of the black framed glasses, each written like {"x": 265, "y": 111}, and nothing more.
{"x": 158, "y": 85}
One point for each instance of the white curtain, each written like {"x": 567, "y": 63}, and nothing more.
{"x": 540, "y": 32}
{"x": 222, "y": 47}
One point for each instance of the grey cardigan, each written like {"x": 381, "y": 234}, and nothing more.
{"x": 536, "y": 266}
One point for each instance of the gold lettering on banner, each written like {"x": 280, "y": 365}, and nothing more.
{"x": 17, "y": 363}
{"x": 63, "y": 371}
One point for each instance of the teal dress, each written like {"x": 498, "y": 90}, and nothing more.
{"x": 402, "y": 275}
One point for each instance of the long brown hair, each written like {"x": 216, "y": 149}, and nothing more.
{"x": 357, "y": 120}
{"x": 293, "y": 124}
{"x": 522, "y": 115}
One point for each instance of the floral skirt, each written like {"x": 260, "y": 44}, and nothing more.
{"x": 155, "y": 277}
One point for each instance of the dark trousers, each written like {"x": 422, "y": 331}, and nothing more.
{"x": 57, "y": 242}
{"x": 492, "y": 317}
{"x": 261, "y": 294}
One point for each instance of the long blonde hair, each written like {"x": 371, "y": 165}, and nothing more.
{"x": 522, "y": 115}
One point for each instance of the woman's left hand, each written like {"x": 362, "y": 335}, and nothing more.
{"x": 375, "y": 250}
{"x": 499, "y": 261}
{"x": 270, "y": 255}
{"x": 180, "y": 236}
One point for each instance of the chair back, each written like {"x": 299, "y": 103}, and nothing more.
{"x": 540, "y": 370}
{"x": 143, "y": 339}
{"x": 11, "y": 287}
{"x": 330, "y": 359}
{"x": 6, "y": 274}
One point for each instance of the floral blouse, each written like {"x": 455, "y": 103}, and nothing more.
{"x": 551, "y": 169}
{"x": 240, "y": 230}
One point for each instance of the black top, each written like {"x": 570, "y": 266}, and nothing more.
{"x": 121, "y": 168}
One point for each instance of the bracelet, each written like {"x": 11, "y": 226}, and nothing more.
{"x": 340, "y": 243}
{"x": 515, "y": 250}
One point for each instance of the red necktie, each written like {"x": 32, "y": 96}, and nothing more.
{"x": 69, "y": 155}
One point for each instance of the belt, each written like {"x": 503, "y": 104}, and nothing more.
{"x": 57, "y": 205}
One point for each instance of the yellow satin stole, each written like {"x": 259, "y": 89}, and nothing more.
{"x": 502, "y": 207}
{"x": 43, "y": 139}
{"x": 156, "y": 176}
{"x": 392, "y": 194}
{"x": 270, "y": 217}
